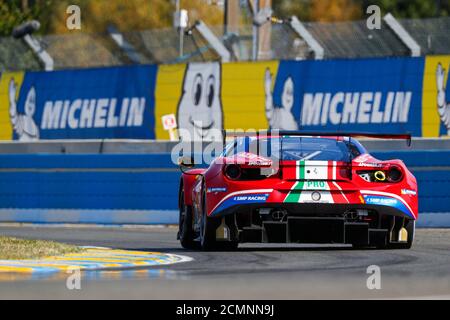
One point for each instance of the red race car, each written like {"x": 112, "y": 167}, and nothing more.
{"x": 297, "y": 187}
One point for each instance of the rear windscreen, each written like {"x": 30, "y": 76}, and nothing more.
{"x": 301, "y": 148}
{"x": 298, "y": 148}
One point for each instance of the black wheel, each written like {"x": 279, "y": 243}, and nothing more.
{"x": 208, "y": 228}
{"x": 185, "y": 231}
{"x": 410, "y": 226}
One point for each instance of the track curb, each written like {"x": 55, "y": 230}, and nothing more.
{"x": 92, "y": 259}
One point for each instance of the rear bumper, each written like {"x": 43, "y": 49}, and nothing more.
{"x": 315, "y": 209}
{"x": 374, "y": 220}
{"x": 316, "y": 223}
{"x": 321, "y": 230}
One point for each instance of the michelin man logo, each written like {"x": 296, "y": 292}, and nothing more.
{"x": 280, "y": 117}
{"x": 200, "y": 113}
{"x": 442, "y": 101}
{"x": 23, "y": 124}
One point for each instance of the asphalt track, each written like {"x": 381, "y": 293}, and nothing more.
{"x": 252, "y": 272}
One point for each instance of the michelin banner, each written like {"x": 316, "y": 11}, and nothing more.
{"x": 376, "y": 95}
{"x": 389, "y": 95}
{"x": 103, "y": 103}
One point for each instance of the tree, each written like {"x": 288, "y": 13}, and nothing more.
{"x": 285, "y": 9}
{"x": 97, "y": 15}
{"x": 335, "y": 10}
{"x": 130, "y": 15}
{"x": 319, "y": 10}
{"x": 149, "y": 14}
{"x": 15, "y": 12}
{"x": 340, "y": 10}
{"x": 414, "y": 9}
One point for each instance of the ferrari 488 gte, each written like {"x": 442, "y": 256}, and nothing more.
{"x": 295, "y": 187}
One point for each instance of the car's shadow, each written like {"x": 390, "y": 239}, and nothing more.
{"x": 294, "y": 248}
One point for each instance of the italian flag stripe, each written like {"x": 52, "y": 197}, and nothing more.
{"x": 301, "y": 170}
{"x": 294, "y": 194}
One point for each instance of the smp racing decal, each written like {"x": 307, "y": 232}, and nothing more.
{"x": 240, "y": 199}
{"x": 387, "y": 201}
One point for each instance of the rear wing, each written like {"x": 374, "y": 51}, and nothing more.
{"x": 279, "y": 133}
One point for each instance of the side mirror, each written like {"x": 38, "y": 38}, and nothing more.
{"x": 186, "y": 162}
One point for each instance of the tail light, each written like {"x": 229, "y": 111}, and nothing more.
{"x": 242, "y": 173}
{"x": 233, "y": 171}
{"x": 394, "y": 174}
{"x": 390, "y": 174}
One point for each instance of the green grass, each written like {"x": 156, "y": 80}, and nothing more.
{"x": 14, "y": 249}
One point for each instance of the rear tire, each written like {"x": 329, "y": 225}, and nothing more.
{"x": 209, "y": 226}
{"x": 208, "y": 229}
{"x": 185, "y": 231}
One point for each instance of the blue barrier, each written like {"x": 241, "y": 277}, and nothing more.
{"x": 86, "y": 161}
{"x": 126, "y": 188}
{"x": 106, "y": 189}
{"x": 93, "y": 182}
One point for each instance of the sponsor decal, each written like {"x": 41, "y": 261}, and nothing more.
{"x": 370, "y": 165}
{"x": 381, "y": 200}
{"x": 260, "y": 163}
{"x": 242, "y": 199}
{"x": 250, "y": 198}
{"x": 316, "y": 185}
{"x": 409, "y": 192}
{"x": 387, "y": 201}
{"x": 216, "y": 189}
